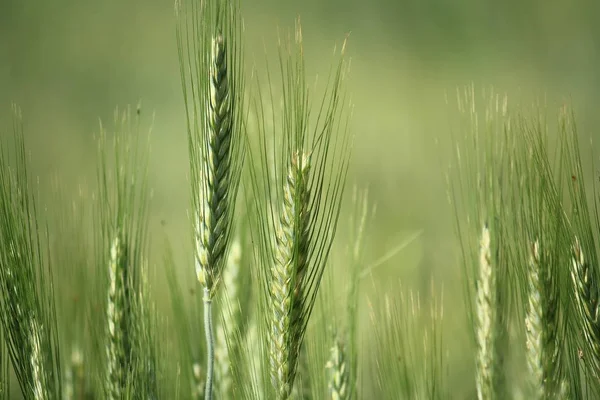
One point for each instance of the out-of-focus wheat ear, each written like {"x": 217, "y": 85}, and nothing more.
{"x": 587, "y": 302}
{"x": 533, "y": 324}
{"x": 230, "y": 321}
{"x": 116, "y": 312}
{"x": 198, "y": 382}
{"x": 287, "y": 274}
{"x": 74, "y": 378}
{"x": 338, "y": 373}
{"x": 27, "y": 302}
{"x": 37, "y": 363}
{"x": 485, "y": 319}
{"x": 542, "y": 330}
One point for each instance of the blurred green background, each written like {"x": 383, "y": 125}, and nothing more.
{"x": 68, "y": 63}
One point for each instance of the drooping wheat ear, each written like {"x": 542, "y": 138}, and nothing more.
{"x": 337, "y": 366}
{"x": 230, "y": 321}
{"x": 485, "y": 319}
{"x": 198, "y": 388}
{"x": 287, "y": 274}
{"x": 117, "y": 309}
{"x": 588, "y": 303}
{"x": 541, "y": 323}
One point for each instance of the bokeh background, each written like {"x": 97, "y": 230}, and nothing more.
{"x": 69, "y": 63}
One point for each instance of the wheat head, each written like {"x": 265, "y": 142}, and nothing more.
{"x": 485, "y": 319}
{"x": 117, "y": 308}
{"x": 287, "y": 273}
{"x": 339, "y": 385}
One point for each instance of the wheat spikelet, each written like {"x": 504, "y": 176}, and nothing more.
{"x": 287, "y": 273}
{"x": 116, "y": 315}
{"x": 337, "y": 366}
{"x": 587, "y": 301}
{"x": 214, "y": 217}
{"x": 485, "y": 319}
{"x": 230, "y": 322}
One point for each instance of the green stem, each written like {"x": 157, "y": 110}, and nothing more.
{"x": 210, "y": 344}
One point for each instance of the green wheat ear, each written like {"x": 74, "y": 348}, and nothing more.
{"x": 339, "y": 374}
{"x": 122, "y": 216}
{"x": 485, "y": 318}
{"x": 27, "y": 309}
{"x": 210, "y": 59}
{"x": 296, "y": 205}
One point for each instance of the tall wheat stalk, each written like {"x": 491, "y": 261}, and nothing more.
{"x": 208, "y": 37}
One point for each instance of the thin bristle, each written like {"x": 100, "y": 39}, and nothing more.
{"x": 287, "y": 273}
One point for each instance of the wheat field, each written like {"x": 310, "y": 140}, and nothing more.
{"x": 310, "y": 200}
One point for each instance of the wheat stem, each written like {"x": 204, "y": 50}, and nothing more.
{"x": 210, "y": 344}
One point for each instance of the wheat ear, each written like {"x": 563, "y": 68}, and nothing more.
{"x": 287, "y": 273}
{"x": 116, "y": 312}
{"x": 588, "y": 302}
{"x": 74, "y": 376}
{"x": 485, "y": 319}
{"x": 541, "y": 324}
{"x": 338, "y": 385}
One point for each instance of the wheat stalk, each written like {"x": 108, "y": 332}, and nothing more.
{"x": 338, "y": 384}
{"x": 485, "y": 319}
